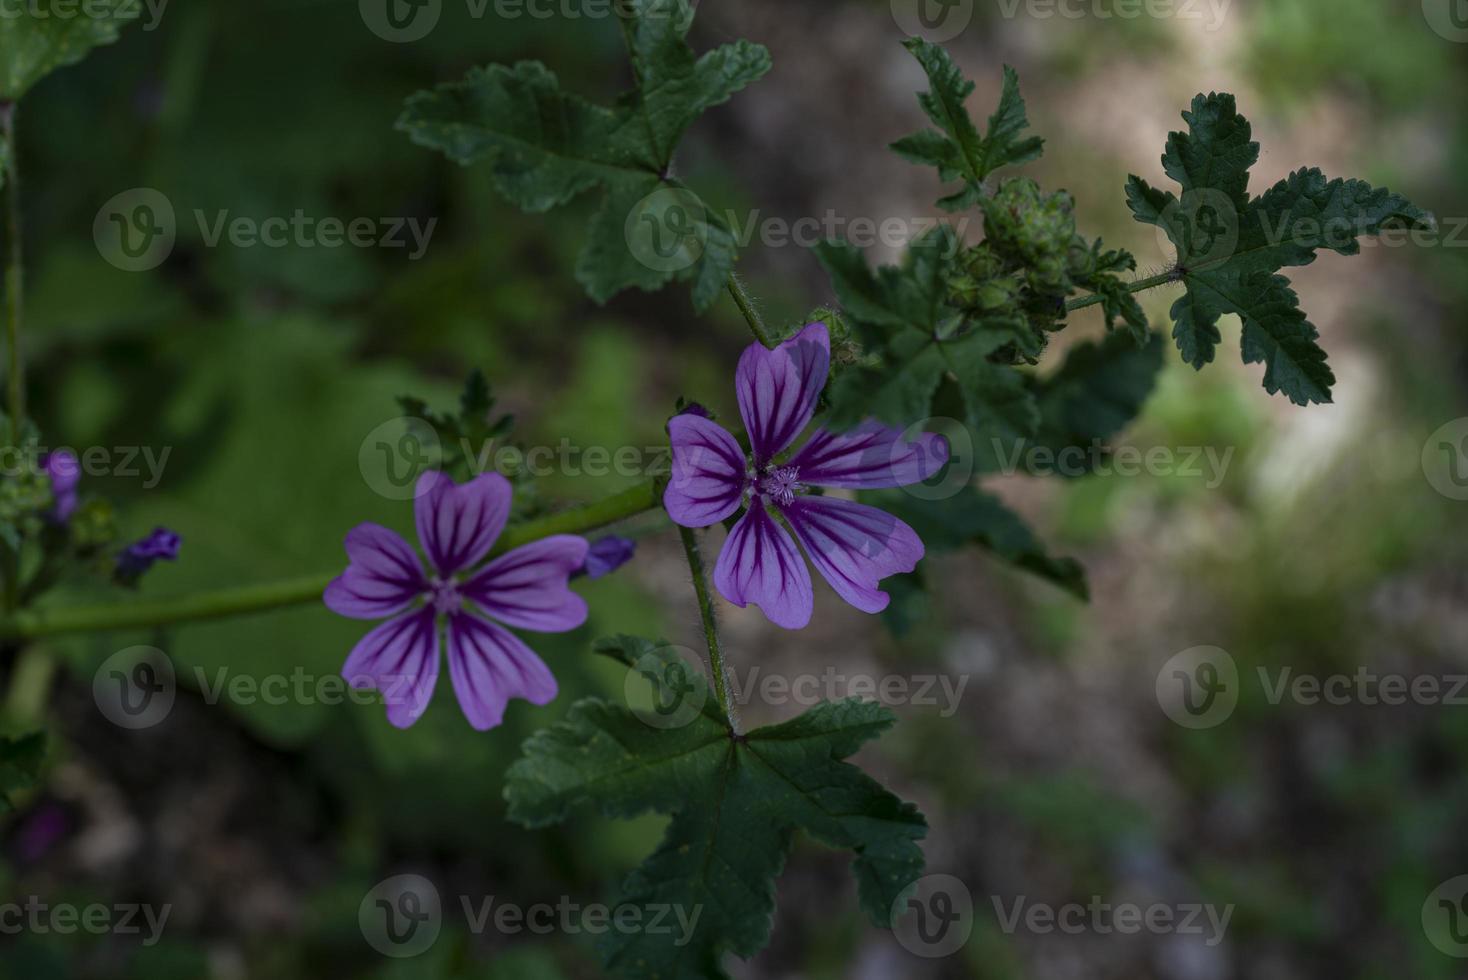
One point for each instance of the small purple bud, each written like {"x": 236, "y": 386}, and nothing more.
{"x": 139, "y": 556}
{"x": 41, "y": 830}
{"x": 606, "y": 555}
{"x": 65, "y": 474}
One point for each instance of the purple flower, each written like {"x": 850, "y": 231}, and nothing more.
{"x": 852, "y": 545}
{"x": 606, "y": 555}
{"x": 139, "y": 556}
{"x": 525, "y": 588}
{"x": 61, "y": 466}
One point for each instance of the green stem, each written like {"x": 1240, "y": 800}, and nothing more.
{"x": 32, "y": 623}
{"x": 1151, "y": 282}
{"x": 751, "y": 315}
{"x": 710, "y": 628}
{"x": 13, "y": 268}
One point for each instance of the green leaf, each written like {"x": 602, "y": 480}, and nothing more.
{"x": 1231, "y": 247}
{"x": 1098, "y": 391}
{"x": 735, "y": 802}
{"x": 545, "y": 147}
{"x": 20, "y": 765}
{"x": 51, "y": 34}
{"x": 959, "y": 152}
{"x": 976, "y": 517}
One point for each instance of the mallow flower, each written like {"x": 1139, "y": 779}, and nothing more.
{"x": 852, "y": 545}
{"x": 470, "y": 607}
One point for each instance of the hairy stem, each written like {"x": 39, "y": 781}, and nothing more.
{"x": 751, "y": 315}
{"x": 1151, "y": 282}
{"x": 32, "y": 623}
{"x": 16, "y": 378}
{"x": 710, "y": 628}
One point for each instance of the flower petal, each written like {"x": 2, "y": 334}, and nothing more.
{"x": 708, "y": 478}
{"x": 383, "y": 576}
{"x": 870, "y": 456}
{"x": 489, "y": 665}
{"x": 854, "y": 546}
{"x": 760, "y": 564}
{"x": 778, "y": 388}
{"x": 526, "y": 588}
{"x": 400, "y": 659}
{"x": 457, "y": 525}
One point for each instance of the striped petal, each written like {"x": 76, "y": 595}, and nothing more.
{"x": 527, "y": 588}
{"x": 760, "y": 564}
{"x": 383, "y": 577}
{"x": 399, "y": 659}
{"x": 778, "y": 389}
{"x": 868, "y": 457}
{"x": 708, "y": 478}
{"x": 457, "y": 525}
{"x": 854, "y": 546}
{"x": 489, "y": 665}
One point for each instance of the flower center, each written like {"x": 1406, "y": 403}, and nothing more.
{"x": 445, "y": 596}
{"x": 779, "y": 484}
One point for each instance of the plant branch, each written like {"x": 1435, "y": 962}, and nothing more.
{"x": 244, "y": 600}
{"x": 751, "y": 315}
{"x": 1151, "y": 282}
{"x": 710, "y": 628}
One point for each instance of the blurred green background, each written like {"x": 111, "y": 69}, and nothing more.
{"x": 1322, "y": 547}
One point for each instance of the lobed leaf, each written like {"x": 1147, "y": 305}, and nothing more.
{"x": 1231, "y": 247}
{"x": 736, "y": 802}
